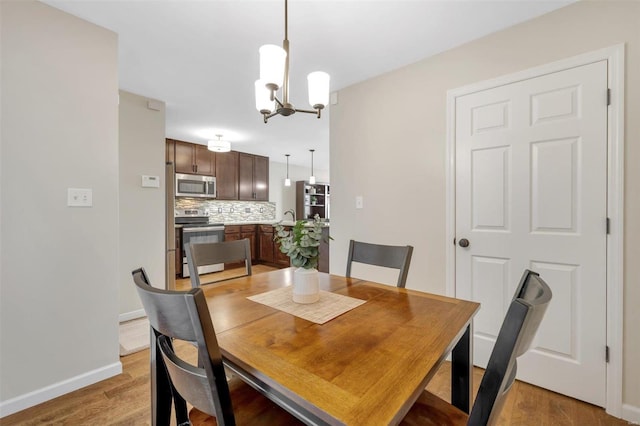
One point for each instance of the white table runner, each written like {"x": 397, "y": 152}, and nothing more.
{"x": 327, "y": 308}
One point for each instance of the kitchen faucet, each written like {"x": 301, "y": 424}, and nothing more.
{"x": 292, "y": 213}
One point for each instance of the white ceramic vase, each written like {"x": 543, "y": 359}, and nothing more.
{"x": 306, "y": 286}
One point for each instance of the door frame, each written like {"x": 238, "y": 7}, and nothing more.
{"x": 615, "y": 57}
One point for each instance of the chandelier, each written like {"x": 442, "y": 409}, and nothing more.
{"x": 274, "y": 74}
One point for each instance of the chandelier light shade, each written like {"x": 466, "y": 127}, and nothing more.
{"x": 312, "y": 178}
{"x": 318, "y": 89}
{"x": 274, "y": 75}
{"x": 219, "y": 145}
{"x": 287, "y": 181}
{"x": 272, "y": 65}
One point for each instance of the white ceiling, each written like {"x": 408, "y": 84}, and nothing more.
{"x": 201, "y": 57}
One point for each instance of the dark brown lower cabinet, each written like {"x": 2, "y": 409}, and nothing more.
{"x": 265, "y": 250}
{"x": 249, "y": 231}
{"x": 265, "y": 243}
{"x": 270, "y": 250}
{"x": 280, "y": 258}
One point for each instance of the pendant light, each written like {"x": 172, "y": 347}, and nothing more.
{"x": 312, "y": 178}
{"x": 219, "y": 145}
{"x": 274, "y": 74}
{"x": 287, "y": 181}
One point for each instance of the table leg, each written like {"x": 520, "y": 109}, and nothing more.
{"x": 462, "y": 371}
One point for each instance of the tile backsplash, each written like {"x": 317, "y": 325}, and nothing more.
{"x": 230, "y": 211}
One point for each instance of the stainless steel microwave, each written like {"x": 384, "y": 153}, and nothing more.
{"x": 195, "y": 186}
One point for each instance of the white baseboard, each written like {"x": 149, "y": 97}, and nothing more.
{"x": 128, "y": 316}
{"x": 39, "y": 396}
{"x": 631, "y": 413}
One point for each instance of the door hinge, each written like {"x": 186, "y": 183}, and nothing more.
{"x": 606, "y": 354}
{"x": 608, "y": 96}
{"x": 608, "y": 226}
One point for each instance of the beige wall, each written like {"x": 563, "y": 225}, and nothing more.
{"x": 59, "y": 265}
{"x": 142, "y": 210}
{"x": 388, "y": 138}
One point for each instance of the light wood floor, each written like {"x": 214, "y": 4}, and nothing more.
{"x": 125, "y": 399}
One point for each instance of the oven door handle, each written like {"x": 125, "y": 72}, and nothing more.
{"x": 203, "y": 229}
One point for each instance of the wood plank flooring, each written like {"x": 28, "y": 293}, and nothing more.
{"x": 125, "y": 399}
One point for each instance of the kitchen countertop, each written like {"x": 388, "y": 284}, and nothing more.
{"x": 268, "y": 222}
{"x": 261, "y": 222}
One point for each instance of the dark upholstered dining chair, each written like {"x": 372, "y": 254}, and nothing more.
{"x": 185, "y": 315}
{"x": 514, "y": 339}
{"x": 397, "y": 257}
{"x": 199, "y": 254}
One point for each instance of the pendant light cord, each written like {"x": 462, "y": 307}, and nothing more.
{"x": 287, "y": 155}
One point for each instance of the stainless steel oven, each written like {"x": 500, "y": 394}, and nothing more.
{"x": 209, "y": 233}
{"x": 197, "y": 229}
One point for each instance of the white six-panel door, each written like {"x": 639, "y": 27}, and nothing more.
{"x": 531, "y": 181}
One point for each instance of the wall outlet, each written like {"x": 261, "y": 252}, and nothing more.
{"x": 79, "y": 197}
{"x": 359, "y": 202}
{"x": 247, "y": 209}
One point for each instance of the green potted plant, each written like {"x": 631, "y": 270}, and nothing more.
{"x": 302, "y": 244}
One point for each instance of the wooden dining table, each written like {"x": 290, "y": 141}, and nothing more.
{"x": 364, "y": 367}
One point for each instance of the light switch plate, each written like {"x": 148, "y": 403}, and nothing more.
{"x": 359, "y": 202}
{"x": 150, "y": 181}
{"x": 79, "y": 197}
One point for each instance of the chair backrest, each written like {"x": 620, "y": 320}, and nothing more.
{"x": 397, "y": 257}
{"x": 184, "y": 315}
{"x": 200, "y": 254}
{"x": 514, "y": 339}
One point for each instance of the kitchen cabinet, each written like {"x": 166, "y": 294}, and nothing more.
{"x": 265, "y": 243}
{"x": 194, "y": 159}
{"x": 239, "y": 232}
{"x": 239, "y": 176}
{"x": 232, "y": 233}
{"x": 227, "y": 175}
{"x": 280, "y": 258}
{"x": 253, "y": 177}
{"x": 269, "y": 249}
{"x": 312, "y": 199}
{"x": 249, "y": 231}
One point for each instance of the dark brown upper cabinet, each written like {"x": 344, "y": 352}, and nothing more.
{"x": 227, "y": 175}
{"x": 253, "y": 177}
{"x": 194, "y": 159}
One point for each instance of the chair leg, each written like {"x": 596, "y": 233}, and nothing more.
{"x": 160, "y": 387}
{"x": 180, "y": 405}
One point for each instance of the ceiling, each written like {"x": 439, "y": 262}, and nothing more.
{"x": 201, "y": 57}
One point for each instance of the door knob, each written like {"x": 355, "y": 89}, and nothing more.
{"x": 464, "y": 242}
